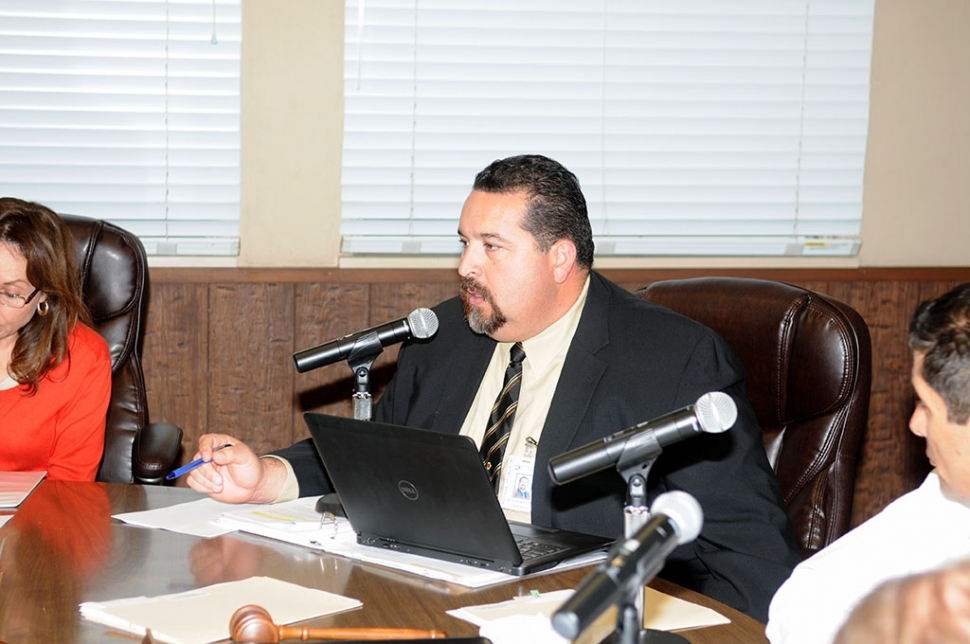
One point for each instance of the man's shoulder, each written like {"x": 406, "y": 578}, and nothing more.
{"x": 631, "y": 313}
{"x": 920, "y": 514}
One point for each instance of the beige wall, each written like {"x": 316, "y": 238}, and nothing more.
{"x": 917, "y": 206}
{"x": 917, "y": 203}
{"x": 292, "y": 123}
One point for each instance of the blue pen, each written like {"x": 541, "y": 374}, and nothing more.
{"x": 185, "y": 469}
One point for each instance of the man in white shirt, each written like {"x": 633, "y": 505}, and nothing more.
{"x": 923, "y": 530}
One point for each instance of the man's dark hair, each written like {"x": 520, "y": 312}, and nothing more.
{"x": 940, "y": 330}
{"x": 557, "y": 208}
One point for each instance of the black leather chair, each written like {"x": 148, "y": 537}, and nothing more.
{"x": 114, "y": 277}
{"x": 809, "y": 364}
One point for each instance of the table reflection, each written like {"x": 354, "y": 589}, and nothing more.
{"x": 68, "y": 529}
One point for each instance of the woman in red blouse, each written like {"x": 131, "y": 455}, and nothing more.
{"x": 55, "y": 371}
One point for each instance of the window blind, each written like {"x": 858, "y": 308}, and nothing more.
{"x": 697, "y": 127}
{"x": 126, "y": 110}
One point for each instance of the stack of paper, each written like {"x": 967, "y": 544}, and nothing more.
{"x": 504, "y": 622}
{"x": 203, "y": 615}
{"x": 196, "y": 518}
{"x": 17, "y": 486}
{"x": 298, "y": 522}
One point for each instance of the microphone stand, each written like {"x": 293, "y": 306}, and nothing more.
{"x": 361, "y": 359}
{"x": 636, "y": 514}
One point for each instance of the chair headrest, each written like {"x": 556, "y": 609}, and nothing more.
{"x": 812, "y": 366}
{"x": 113, "y": 271}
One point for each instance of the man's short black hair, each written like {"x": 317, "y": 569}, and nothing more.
{"x": 557, "y": 207}
{"x": 940, "y": 331}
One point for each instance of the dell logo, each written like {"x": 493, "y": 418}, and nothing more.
{"x": 408, "y": 490}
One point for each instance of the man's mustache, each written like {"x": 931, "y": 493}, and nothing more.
{"x": 468, "y": 286}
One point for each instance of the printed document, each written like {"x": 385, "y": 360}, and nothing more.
{"x": 203, "y": 615}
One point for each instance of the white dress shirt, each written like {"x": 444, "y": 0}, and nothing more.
{"x": 919, "y": 531}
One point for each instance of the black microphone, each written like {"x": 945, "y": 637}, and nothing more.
{"x": 676, "y": 518}
{"x": 713, "y": 412}
{"x": 420, "y": 323}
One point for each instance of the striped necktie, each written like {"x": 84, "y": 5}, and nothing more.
{"x": 503, "y": 413}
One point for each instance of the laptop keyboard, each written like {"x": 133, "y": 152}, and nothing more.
{"x": 529, "y": 548}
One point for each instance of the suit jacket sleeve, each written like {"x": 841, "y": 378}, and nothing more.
{"x": 308, "y": 468}
{"x": 747, "y": 547}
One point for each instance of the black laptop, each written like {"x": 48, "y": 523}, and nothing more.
{"x": 427, "y": 493}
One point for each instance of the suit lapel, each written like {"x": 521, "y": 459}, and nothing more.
{"x": 581, "y": 372}
{"x": 466, "y": 369}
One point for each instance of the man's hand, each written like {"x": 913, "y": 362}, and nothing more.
{"x": 235, "y": 474}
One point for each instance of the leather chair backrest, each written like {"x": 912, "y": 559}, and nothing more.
{"x": 809, "y": 364}
{"x": 114, "y": 277}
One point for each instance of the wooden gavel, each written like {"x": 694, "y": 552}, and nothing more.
{"x": 252, "y": 623}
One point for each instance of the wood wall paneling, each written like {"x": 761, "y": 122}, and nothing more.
{"x": 175, "y": 359}
{"x": 250, "y": 376}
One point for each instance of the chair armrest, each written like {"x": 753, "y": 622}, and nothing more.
{"x": 155, "y": 452}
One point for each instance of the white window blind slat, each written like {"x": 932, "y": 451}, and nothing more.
{"x": 126, "y": 110}
{"x": 740, "y": 124}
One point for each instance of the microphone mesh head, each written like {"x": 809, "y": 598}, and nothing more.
{"x": 423, "y": 323}
{"x": 716, "y": 412}
{"x": 684, "y": 512}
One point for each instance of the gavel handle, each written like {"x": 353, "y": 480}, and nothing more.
{"x": 304, "y": 633}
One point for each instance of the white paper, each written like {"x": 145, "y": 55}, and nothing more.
{"x": 661, "y": 612}
{"x": 338, "y": 537}
{"x": 17, "y": 486}
{"x": 197, "y": 518}
{"x": 298, "y": 522}
{"x": 515, "y": 629}
{"x": 203, "y": 615}
{"x": 500, "y": 622}
{"x": 666, "y": 613}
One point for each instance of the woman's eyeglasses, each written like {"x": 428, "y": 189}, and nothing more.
{"x": 15, "y": 300}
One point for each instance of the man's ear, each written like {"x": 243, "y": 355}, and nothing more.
{"x": 562, "y": 255}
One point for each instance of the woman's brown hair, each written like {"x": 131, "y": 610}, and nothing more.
{"x": 47, "y": 244}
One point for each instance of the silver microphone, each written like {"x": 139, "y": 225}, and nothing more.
{"x": 420, "y": 323}
{"x": 676, "y": 518}
{"x": 713, "y": 412}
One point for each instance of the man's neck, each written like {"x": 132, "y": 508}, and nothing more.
{"x": 569, "y": 293}
{"x": 570, "y": 306}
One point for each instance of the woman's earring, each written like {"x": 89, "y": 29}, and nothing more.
{"x": 43, "y": 308}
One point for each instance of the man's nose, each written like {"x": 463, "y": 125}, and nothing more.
{"x": 469, "y": 265}
{"x": 917, "y": 422}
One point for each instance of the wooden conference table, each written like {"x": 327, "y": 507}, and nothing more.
{"x": 62, "y": 548}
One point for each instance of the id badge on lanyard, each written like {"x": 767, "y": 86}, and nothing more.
{"x": 515, "y": 492}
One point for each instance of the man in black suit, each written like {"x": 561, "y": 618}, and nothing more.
{"x": 597, "y": 360}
